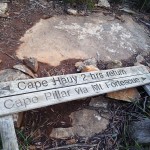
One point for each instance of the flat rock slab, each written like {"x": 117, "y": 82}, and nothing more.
{"x": 3, "y": 8}
{"x": 85, "y": 123}
{"x": 69, "y": 37}
{"x": 12, "y": 75}
{"x": 140, "y": 131}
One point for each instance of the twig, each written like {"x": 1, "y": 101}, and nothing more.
{"x": 73, "y": 145}
{"x": 144, "y": 103}
{"x": 145, "y": 23}
{"x": 7, "y": 54}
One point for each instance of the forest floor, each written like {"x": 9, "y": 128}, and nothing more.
{"x": 58, "y": 41}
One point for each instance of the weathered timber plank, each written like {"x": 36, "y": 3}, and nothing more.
{"x": 147, "y": 88}
{"x": 39, "y": 84}
{"x": 8, "y": 135}
{"x": 19, "y": 103}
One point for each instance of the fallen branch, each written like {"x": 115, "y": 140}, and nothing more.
{"x": 73, "y": 145}
{"x": 7, "y": 54}
{"x": 145, "y": 23}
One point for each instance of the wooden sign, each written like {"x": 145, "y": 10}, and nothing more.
{"x": 38, "y": 99}
{"x": 18, "y": 96}
{"x": 147, "y": 88}
{"x": 8, "y": 135}
{"x": 40, "y": 84}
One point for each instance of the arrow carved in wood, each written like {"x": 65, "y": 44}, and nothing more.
{"x": 143, "y": 78}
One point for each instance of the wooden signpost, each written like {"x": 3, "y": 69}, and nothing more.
{"x": 19, "y": 96}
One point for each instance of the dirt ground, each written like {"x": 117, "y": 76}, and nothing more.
{"x": 37, "y": 125}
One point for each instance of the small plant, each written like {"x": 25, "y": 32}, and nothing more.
{"x": 24, "y": 142}
{"x": 80, "y": 4}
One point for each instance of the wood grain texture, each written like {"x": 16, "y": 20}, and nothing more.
{"x": 147, "y": 88}
{"x": 24, "y": 102}
{"x": 47, "y": 83}
{"x": 7, "y": 132}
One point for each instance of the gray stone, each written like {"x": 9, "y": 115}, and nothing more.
{"x": 137, "y": 64}
{"x": 62, "y": 133}
{"x": 72, "y": 11}
{"x": 140, "y": 131}
{"x": 127, "y": 10}
{"x": 114, "y": 64}
{"x": 99, "y": 101}
{"x": 32, "y": 63}
{"x": 24, "y": 69}
{"x": 64, "y": 37}
{"x": 140, "y": 59}
{"x": 89, "y": 68}
{"x": 88, "y": 62}
{"x": 129, "y": 95}
{"x": 103, "y": 3}
{"x": 85, "y": 123}
{"x": 11, "y": 75}
{"x": 3, "y": 9}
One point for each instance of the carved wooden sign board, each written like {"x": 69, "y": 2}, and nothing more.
{"x": 23, "y": 95}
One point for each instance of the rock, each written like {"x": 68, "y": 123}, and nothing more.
{"x": 11, "y": 75}
{"x": 72, "y": 11}
{"x": 103, "y": 3}
{"x": 71, "y": 141}
{"x": 137, "y": 64}
{"x": 32, "y": 63}
{"x": 89, "y": 68}
{"x": 0, "y": 61}
{"x": 80, "y": 65}
{"x": 3, "y": 9}
{"x": 24, "y": 69}
{"x": 127, "y": 10}
{"x": 144, "y": 53}
{"x": 62, "y": 133}
{"x": 82, "y": 13}
{"x": 85, "y": 123}
{"x": 90, "y": 61}
{"x": 140, "y": 131}
{"x": 140, "y": 59}
{"x": 128, "y": 95}
{"x": 114, "y": 64}
{"x": 148, "y": 68}
{"x": 46, "y": 16}
{"x": 99, "y": 101}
